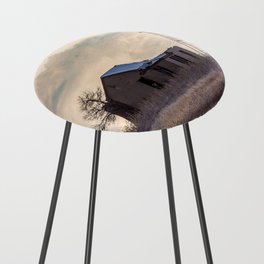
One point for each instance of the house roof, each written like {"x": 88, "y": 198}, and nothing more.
{"x": 124, "y": 68}
{"x": 132, "y": 66}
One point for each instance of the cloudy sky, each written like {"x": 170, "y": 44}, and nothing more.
{"x": 77, "y": 67}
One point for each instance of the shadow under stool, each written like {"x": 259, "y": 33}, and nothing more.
{"x": 129, "y": 82}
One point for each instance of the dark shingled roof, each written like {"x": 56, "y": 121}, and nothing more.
{"x": 132, "y": 66}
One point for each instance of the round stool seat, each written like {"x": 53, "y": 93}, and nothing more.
{"x": 129, "y": 81}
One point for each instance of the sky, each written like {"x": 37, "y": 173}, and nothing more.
{"x": 69, "y": 71}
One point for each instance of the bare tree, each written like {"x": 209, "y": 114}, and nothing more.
{"x": 95, "y": 107}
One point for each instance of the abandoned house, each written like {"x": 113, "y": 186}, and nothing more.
{"x": 130, "y": 84}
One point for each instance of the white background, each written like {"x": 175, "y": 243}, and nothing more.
{"x": 132, "y": 222}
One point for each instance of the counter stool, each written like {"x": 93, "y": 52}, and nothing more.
{"x": 129, "y": 82}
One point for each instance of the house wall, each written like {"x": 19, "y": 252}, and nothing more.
{"x": 126, "y": 89}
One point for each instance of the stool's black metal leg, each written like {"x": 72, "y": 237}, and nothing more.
{"x": 198, "y": 193}
{"x": 171, "y": 196}
{"x": 90, "y": 224}
{"x": 55, "y": 193}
